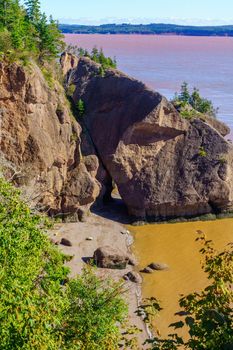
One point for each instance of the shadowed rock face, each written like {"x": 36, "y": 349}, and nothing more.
{"x": 163, "y": 165}
{"x": 40, "y": 143}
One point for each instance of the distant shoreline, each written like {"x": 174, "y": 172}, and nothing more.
{"x": 142, "y": 34}
{"x": 149, "y": 29}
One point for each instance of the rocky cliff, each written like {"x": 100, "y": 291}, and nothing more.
{"x": 40, "y": 142}
{"x": 163, "y": 164}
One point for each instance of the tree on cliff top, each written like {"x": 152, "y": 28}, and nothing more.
{"x": 188, "y": 102}
{"x": 33, "y": 10}
{"x": 31, "y": 32}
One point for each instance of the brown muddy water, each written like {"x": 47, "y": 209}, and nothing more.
{"x": 174, "y": 244}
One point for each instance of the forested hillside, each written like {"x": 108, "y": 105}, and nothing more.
{"x": 154, "y": 28}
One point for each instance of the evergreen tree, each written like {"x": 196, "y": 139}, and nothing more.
{"x": 50, "y": 38}
{"x": 184, "y": 95}
{"x": 33, "y": 10}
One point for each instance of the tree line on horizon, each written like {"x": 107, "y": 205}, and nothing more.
{"x": 153, "y": 28}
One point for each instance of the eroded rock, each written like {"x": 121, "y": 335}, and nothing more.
{"x": 164, "y": 165}
{"x": 133, "y": 277}
{"x": 66, "y": 242}
{"x": 110, "y": 258}
{"x": 40, "y": 144}
{"x": 158, "y": 266}
{"x": 146, "y": 270}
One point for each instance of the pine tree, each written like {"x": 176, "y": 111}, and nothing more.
{"x": 184, "y": 95}
{"x": 33, "y": 10}
{"x": 7, "y": 13}
{"x": 50, "y": 38}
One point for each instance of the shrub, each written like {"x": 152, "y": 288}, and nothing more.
{"x": 5, "y": 41}
{"x": 95, "y": 311}
{"x": 80, "y": 107}
{"x": 31, "y": 299}
{"x": 202, "y": 152}
{"x": 37, "y": 310}
{"x": 48, "y": 75}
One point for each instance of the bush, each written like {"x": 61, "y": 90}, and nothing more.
{"x": 31, "y": 299}
{"x": 96, "y": 309}
{"x": 37, "y": 310}
{"x": 202, "y": 152}
{"x": 5, "y": 41}
{"x": 80, "y": 108}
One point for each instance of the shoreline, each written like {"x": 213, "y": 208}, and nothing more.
{"x": 104, "y": 231}
{"x": 151, "y": 34}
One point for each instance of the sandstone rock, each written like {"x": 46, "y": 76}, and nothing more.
{"x": 222, "y": 128}
{"x": 68, "y": 61}
{"x": 147, "y": 270}
{"x": 152, "y": 153}
{"x": 40, "y": 141}
{"x": 132, "y": 261}
{"x": 110, "y": 258}
{"x": 133, "y": 277}
{"x": 66, "y": 242}
{"x": 158, "y": 266}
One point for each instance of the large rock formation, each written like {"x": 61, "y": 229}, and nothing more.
{"x": 163, "y": 165}
{"x": 40, "y": 142}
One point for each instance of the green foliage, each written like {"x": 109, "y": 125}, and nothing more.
{"x": 33, "y": 10}
{"x": 80, "y": 108}
{"x": 202, "y": 152}
{"x": 190, "y": 103}
{"x": 29, "y": 30}
{"x": 94, "y": 312}
{"x": 95, "y": 55}
{"x": 48, "y": 76}
{"x": 5, "y": 41}
{"x": 37, "y": 311}
{"x": 31, "y": 270}
{"x": 70, "y": 90}
{"x": 208, "y": 315}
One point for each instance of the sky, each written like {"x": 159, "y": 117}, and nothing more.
{"x": 196, "y": 12}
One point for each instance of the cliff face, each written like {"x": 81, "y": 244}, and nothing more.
{"x": 40, "y": 143}
{"x": 163, "y": 165}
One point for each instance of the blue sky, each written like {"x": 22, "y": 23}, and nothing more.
{"x": 140, "y": 11}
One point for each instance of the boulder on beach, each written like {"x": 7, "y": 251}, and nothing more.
{"x": 110, "y": 258}
{"x": 146, "y": 270}
{"x": 132, "y": 277}
{"x": 158, "y": 266}
{"x": 66, "y": 242}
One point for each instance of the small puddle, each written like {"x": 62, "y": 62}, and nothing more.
{"x": 174, "y": 244}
